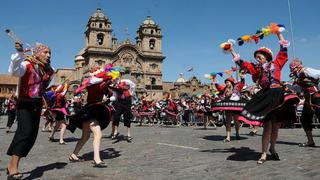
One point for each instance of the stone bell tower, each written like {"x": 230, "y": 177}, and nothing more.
{"x": 149, "y": 42}
{"x": 98, "y": 32}
{"x": 149, "y": 37}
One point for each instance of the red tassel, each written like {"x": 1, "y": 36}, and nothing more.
{"x": 227, "y": 47}
{"x": 255, "y": 38}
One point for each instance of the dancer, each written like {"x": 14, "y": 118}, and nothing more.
{"x": 308, "y": 79}
{"x": 124, "y": 92}
{"x": 11, "y": 110}
{"x": 93, "y": 117}
{"x": 59, "y": 109}
{"x": 267, "y": 106}
{"x": 231, "y": 104}
{"x": 35, "y": 73}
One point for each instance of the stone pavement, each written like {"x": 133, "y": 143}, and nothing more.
{"x": 169, "y": 153}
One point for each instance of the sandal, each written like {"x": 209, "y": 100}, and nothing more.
{"x": 15, "y": 176}
{"x": 307, "y": 145}
{"x": 274, "y": 156}
{"x": 129, "y": 139}
{"x": 261, "y": 161}
{"x": 101, "y": 164}
{"x": 115, "y": 135}
{"x": 78, "y": 159}
{"x": 253, "y": 133}
{"x": 62, "y": 143}
{"x": 226, "y": 140}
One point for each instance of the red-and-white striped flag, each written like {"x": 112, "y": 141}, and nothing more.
{"x": 190, "y": 69}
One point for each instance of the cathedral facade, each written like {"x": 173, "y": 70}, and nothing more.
{"x": 143, "y": 59}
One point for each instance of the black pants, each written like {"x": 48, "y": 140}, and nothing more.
{"x": 28, "y": 117}
{"x": 11, "y": 117}
{"x": 308, "y": 113}
{"x": 122, "y": 107}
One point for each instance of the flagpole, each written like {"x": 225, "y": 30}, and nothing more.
{"x": 292, "y": 40}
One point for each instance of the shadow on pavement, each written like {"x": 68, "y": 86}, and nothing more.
{"x": 119, "y": 138}
{"x": 108, "y": 153}
{"x": 240, "y": 154}
{"x": 221, "y": 138}
{"x": 208, "y": 128}
{"x": 288, "y": 143}
{"x": 38, "y": 171}
{"x": 70, "y": 139}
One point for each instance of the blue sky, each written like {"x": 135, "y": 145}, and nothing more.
{"x": 192, "y": 29}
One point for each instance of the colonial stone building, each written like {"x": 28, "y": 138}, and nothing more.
{"x": 143, "y": 59}
{"x": 8, "y": 86}
{"x": 189, "y": 87}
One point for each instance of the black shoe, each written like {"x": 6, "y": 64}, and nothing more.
{"x": 51, "y": 139}
{"x": 307, "y": 145}
{"x": 99, "y": 165}
{"x": 274, "y": 156}
{"x": 238, "y": 137}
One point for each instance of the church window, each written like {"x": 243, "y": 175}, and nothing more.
{"x": 100, "y": 25}
{"x": 100, "y": 38}
{"x": 100, "y": 62}
{"x": 152, "y": 43}
{"x": 153, "y": 81}
{"x": 62, "y": 78}
{"x": 153, "y": 66}
{"x": 151, "y": 31}
{"x": 139, "y": 79}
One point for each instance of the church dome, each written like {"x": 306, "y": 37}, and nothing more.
{"x": 181, "y": 79}
{"x": 149, "y": 21}
{"x": 98, "y": 15}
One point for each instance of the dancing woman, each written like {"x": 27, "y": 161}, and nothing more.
{"x": 93, "y": 117}
{"x": 231, "y": 104}
{"x": 267, "y": 107}
{"x": 59, "y": 110}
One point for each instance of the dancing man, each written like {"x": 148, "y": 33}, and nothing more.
{"x": 308, "y": 79}
{"x": 35, "y": 73}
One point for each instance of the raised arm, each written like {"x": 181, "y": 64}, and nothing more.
{"x": 282, "y": 56}
{"x": 246, "y": 66}
{"x": 17, "y": 65}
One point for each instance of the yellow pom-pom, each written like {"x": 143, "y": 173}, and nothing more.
{"x": 246, "y": 38}
{"x": 114, "y": 74}
{"x": 222, "y": 45}
{"x": 266, "y": 31}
